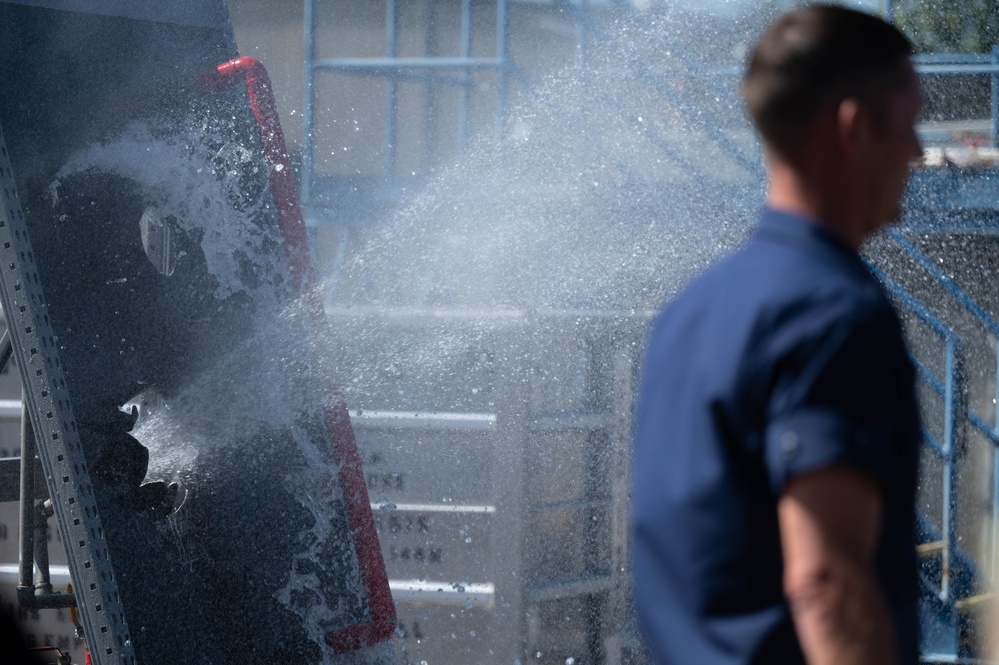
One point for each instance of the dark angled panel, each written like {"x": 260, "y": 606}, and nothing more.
{"x": 157, "y": 262}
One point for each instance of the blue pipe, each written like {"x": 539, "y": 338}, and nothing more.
{"x": 952, "y": 58}
{"x": 308, "y": 113}
{"x": 995, "y": 478}
{"x": 983, "y": 427}
{"x": 911, "y": 303}
{"x": 464, "y": 119}
{"x": 390, "y": 66}
{"x": 391, "y": 89}
{"x": 928, "y": 376}
{"x": 952, "y": 70}
{"x": 415, "y": 75}
{"x": 583, "y": 70}
{"x": 995, "y": 482}
{"x": 917, "y": 255}
{"x": 930, "y": 440}
{"x": 995, "y": 97}
{"x": 970, "y": 415}
{"x": 949, "y": 517}
{"x": 502, "y": 73}
{"x": 951, "y": 411}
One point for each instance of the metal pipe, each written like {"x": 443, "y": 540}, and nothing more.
{"x": 951, "y": 436}
{"x": 583, "y": 71}
{"x": 927, "y": 264}
{"x": 465, "y": 112}
{"x": 951, "y": 58}
{"x": 34, "y": 533}
{"x": 931, "y": 441}
{"x": 391, "y": 88}
{"x": 43, "y": 511}
{"x": 502, "y": 73}
{"x": 389, "y": 66}
{"x": 995, "y": 480}
{"x": 995, "y": 97}
{"x": 308, "y": 105}
{"x": 956, "y": 69}
{"x": 25, "y": 573}
{"x": 910, "y": 303}
{"x": 982, "y": 426}
{"x": 6, "y": 349}
{"x": 975, "y": 420}
{"x": 419, "y": 76}
{"x": 48, "y": 601}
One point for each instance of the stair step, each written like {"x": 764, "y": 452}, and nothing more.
{"x": 975, "y": 603}
{"x": 931, "y": 548}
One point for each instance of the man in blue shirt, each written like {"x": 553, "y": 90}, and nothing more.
{"x": 776, "y": 444}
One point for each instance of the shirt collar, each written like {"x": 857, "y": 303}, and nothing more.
{"x": 797, "y": 229}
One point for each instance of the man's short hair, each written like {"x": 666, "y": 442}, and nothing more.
{"x": 816, "y": 55}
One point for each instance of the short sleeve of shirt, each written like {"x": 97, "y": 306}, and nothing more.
{"x": 834, "y": 399}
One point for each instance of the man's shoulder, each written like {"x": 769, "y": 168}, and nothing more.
{"x": 760, "y": 291}
{"x": 763, "y": 272}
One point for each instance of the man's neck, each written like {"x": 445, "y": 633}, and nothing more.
{"x": 788, "y": 192}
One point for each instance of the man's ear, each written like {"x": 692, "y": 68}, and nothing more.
{"x": 853, "y": 125}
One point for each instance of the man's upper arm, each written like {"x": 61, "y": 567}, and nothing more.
{"x": 829, "y": 525}
{"x": 832, "y": 514}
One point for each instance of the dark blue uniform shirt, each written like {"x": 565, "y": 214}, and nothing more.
{"x": 786, "y": 357}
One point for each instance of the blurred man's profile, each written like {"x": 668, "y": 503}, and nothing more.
{"x": 776, "y": 442}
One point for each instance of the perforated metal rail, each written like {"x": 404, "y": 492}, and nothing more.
{"x": 59, "y": 447}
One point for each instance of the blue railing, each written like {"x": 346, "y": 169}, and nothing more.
{"x": 957, "y": 414}
{"x": 659, "y": 83}
{"x": 950, "y": 389}
{"x": 449, "y": 71}
{"x": 457, "y": 72}
{"x": 963, "y": 64}
{"x": 991, "y": 326}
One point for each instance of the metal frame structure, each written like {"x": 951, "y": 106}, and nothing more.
{"x": 454, "y": 71}
{"x": 963, "y": 64}
{"x": 51, "y": 416}
{"x": 458, "y": 71}
{"x": 506, "y": 579}
{"x": 949, "y": 574}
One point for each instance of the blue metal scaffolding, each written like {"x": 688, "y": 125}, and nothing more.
{"x": 454, "y": 71}
{"x": 952, "y": 581}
